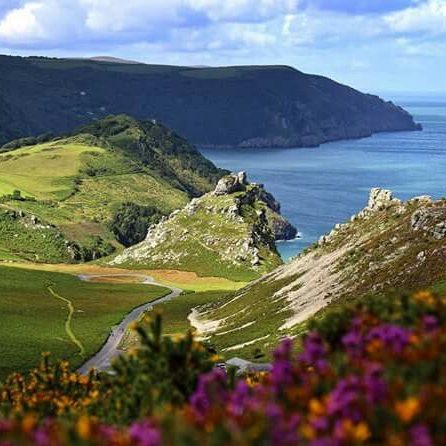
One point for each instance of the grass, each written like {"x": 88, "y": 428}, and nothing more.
{"x": 33, "y": 319}
{"x": 175, "y": 313}
{"x": 251, "y": 316}
{"x": 45, "y": 171}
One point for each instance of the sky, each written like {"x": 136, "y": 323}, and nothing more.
{"x": 373, "y": 45}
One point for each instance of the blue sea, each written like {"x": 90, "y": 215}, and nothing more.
{"x": 319, "y": 187}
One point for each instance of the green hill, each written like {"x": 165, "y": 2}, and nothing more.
{"x": 225, "y": 106}
{"x": 72, "y": 198}
{"x": 389, "y": 245}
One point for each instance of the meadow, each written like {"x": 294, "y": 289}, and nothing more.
{"x": 34, "y": 307}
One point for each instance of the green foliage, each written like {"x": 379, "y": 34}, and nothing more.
{"x": 160, "y": 371}
{"x": 131, "y": 221}
{"x": 155, "y": 146}
{"x": 30, "y": 240}
{"x": 25, "y": 142}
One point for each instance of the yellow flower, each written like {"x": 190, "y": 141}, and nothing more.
{"x": 316, "y": 407}
{"x": 133, "y": 326}
{"x": 361, "y": 432}
{"x": 375, "y": 345}
{"x": 425, "y": 297}
{"x": 308, "y": 432}
{"x": 83, "y": 428}
{"x": 356, "y": 432}
{"x": 29, "y": 423}
{"x": 407, "y": 409}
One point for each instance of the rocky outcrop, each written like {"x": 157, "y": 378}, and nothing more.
{"x": 281, "y": 228}
{"x": 233, "y": 228}
{"x": 230, "y": 184}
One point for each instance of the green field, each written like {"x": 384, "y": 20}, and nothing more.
{"x": 35, "y": 306}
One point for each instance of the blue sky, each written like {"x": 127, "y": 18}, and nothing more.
{"x": 374, "y": 45}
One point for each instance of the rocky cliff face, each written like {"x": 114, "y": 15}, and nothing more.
{"x": 389, "y": 244}
{"x": 228, "y": 232}
{"x": 257, "y": 106}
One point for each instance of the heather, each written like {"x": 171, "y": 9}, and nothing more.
{"x": 373, "y": 373}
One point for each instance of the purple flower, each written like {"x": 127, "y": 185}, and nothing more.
{"x": 394, "y": 337}
{"x": 325, "y": 442}
{"x": 353, "y": 343}
{"x": 6, "y": 426}
{"x": 430, "y": 322}
{"x": 145, "y": 434}
{"x": 211, "y": 390}
{"x": 314, "y": 352}
{"x": 376, "y": 387}
{"x": 41, "y": 437}
{"x": 344, "y": 398}
{"x": 420, "y": 436}
{"x": 239, "y": 399}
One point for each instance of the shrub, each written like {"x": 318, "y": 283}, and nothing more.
{"x": 131, "y": 222}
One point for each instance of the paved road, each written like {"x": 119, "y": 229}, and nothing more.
{"x": 102, "y": 359}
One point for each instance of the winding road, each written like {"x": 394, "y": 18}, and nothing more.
{"x": 102, "y": 359}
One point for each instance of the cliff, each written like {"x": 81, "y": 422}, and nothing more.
{"x": 249, "y": 106}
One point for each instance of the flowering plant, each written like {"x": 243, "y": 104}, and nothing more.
{"x": 373, "y": 373}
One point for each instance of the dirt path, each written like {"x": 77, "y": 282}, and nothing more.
{"x": 102, "y": 359}
{"x": 68, "y": 320}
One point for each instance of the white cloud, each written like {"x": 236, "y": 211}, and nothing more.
{"x": 42, "y": 21}
{"x": 429, "y": 17}
{"x": 22, "y": 23}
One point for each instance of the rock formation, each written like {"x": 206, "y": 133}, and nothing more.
{"x": 234, "y": 227}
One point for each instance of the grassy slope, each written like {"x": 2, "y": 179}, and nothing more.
{"x": 383, "y": 253}
{"x": 49, "y": 173}
{"x": 33, "y": 320}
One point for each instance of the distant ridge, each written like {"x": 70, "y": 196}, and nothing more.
{"x": 111, "y": 59}
{"x": 241, "y": 106}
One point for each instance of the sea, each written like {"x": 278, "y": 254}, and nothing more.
{"x": 319, "y": 187}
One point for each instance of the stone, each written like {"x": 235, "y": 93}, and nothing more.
{"x": 421, "y": 256}
{"x": 419, "y": 219}
{"x": 230, "y": 184}
{"x": 381, "y": 199}
{"x": 421, "y": 198}
{"x": 439, "y": 231}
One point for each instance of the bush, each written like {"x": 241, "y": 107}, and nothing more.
{"x": 131, "y": 222}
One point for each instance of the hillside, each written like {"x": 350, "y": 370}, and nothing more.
{"x": 389, "y": 245}
{"x": 229, "y": 232}
{"x": 75, "y": 198}
{"x": 249, "y": 106}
